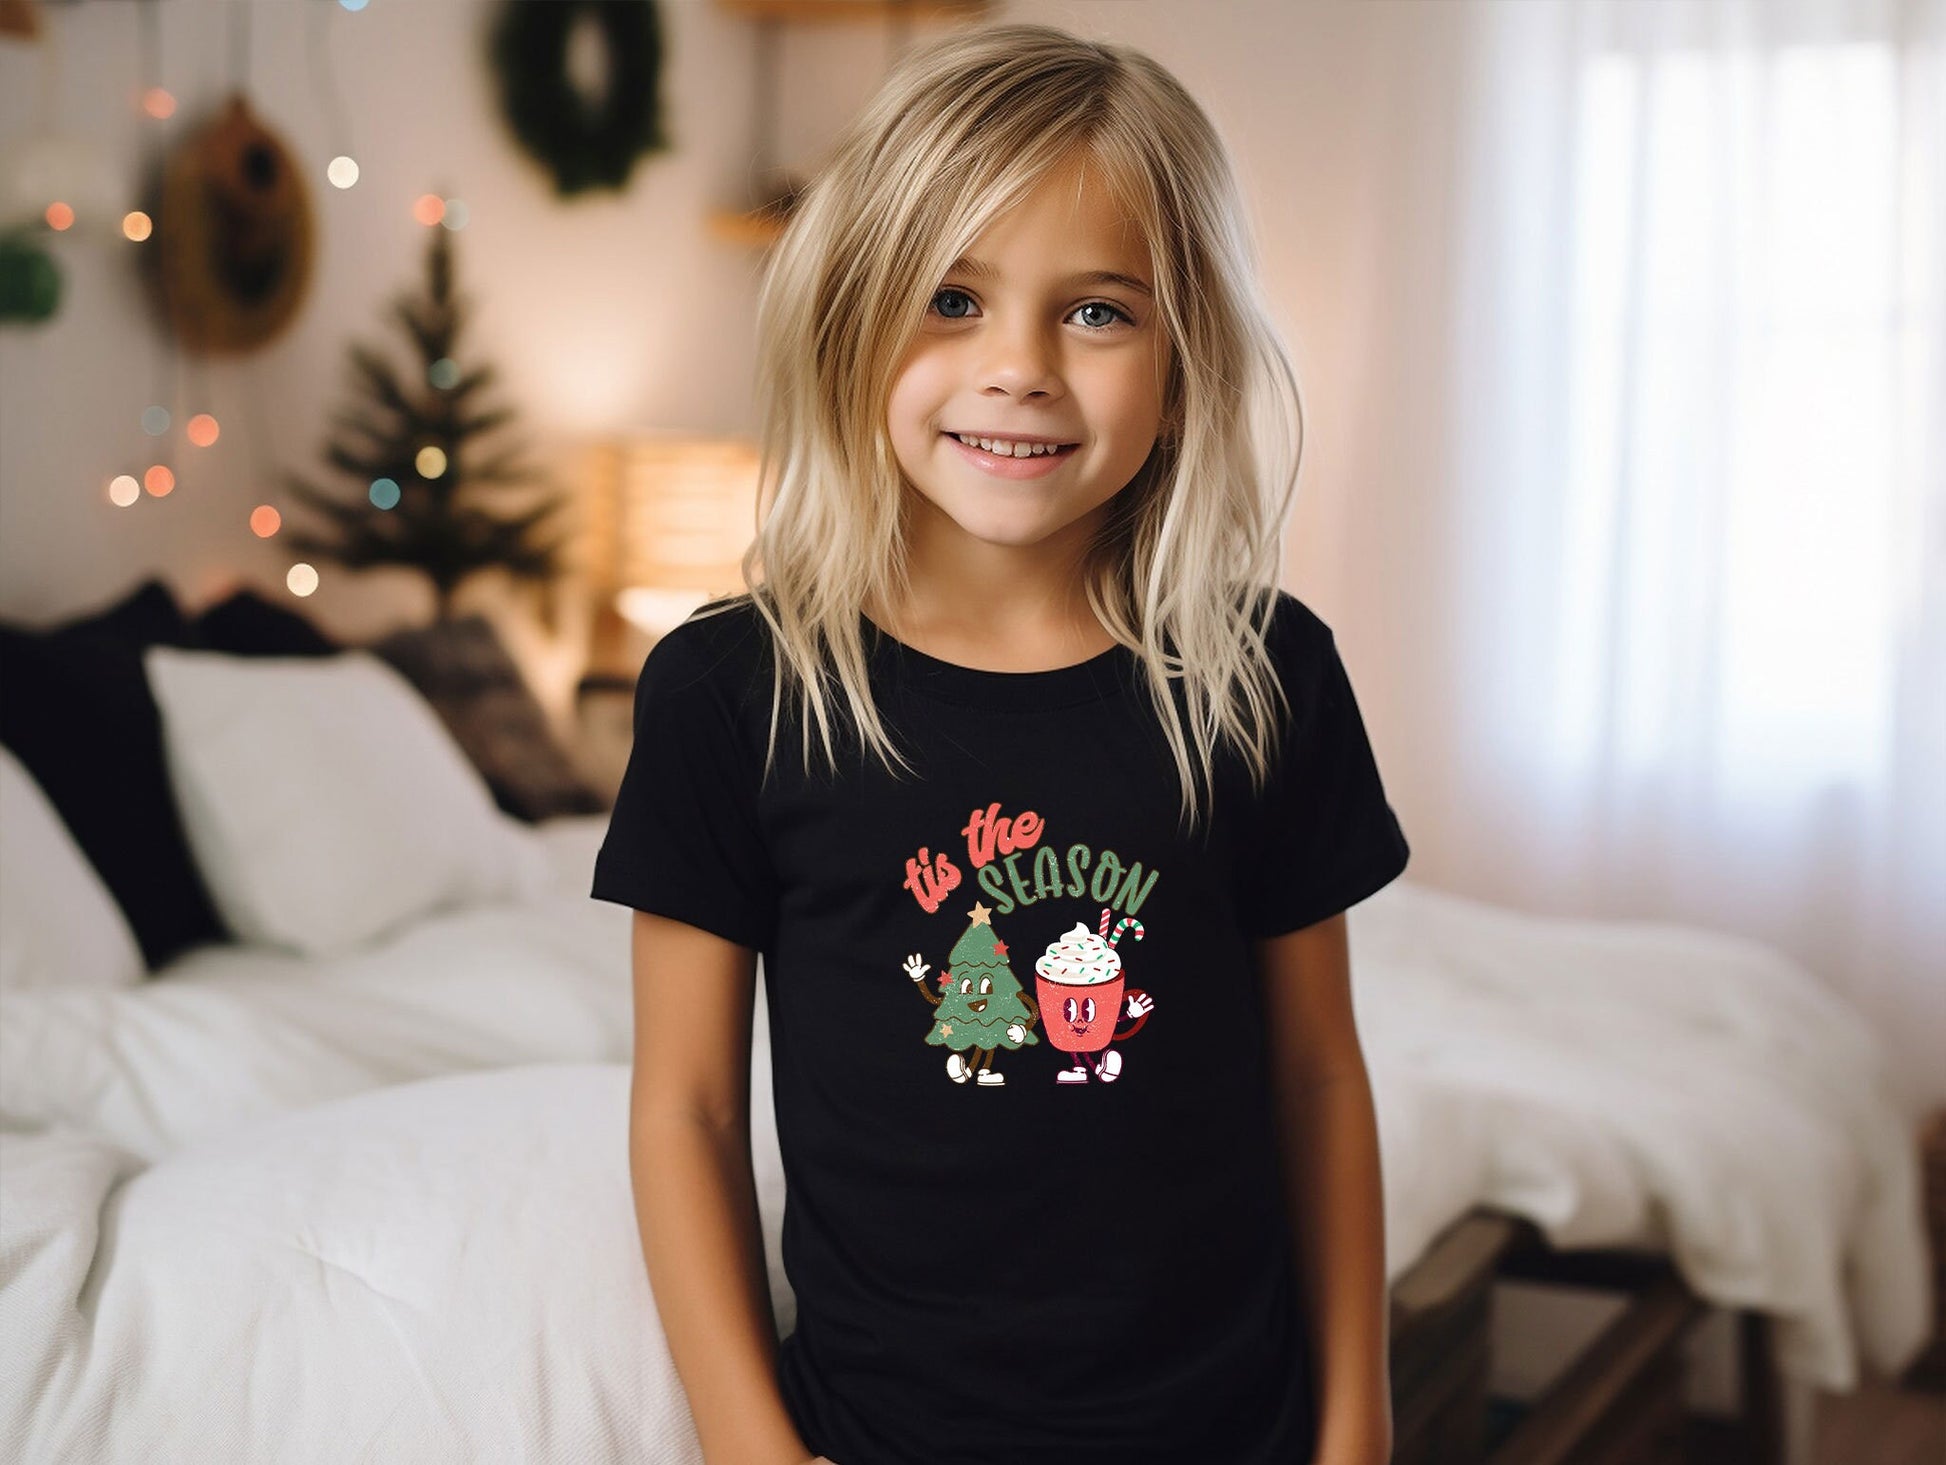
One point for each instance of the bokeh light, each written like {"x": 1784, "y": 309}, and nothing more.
{"x": 155, "y": 420}
{"x": 158, "y": 102}
{"x": 137, "y": 226}
{"x": 443, "y": 373}
{"x": 265, "y": 521}
{"x": 431, "y": 462}
{"x": 457, "y": 214}
{"x": 59, "y": 216}
{"x": 123, "y": 490}
{"x": 159, "y": 479}
{"x": 429, "y": 208}
{"x": 342, "y": 171}
{"x": 302, "y": 579}
{"x": 202, "y": 430}
{"x": 385, "y": 493}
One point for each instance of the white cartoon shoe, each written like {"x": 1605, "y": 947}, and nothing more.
{"x": 989, "y": 1078}
{"x": 956, "y": 1068}
{"x": 1110, "y": 1067}
{"x": 1076, "y": 1074}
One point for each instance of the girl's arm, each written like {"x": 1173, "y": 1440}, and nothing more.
{"x": 695, "y": 1196}
{"x": 1329, "y": 1134}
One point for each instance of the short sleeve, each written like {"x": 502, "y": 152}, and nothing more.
{"x": 1326, "y": 838}
{"x": 684, "y": 839}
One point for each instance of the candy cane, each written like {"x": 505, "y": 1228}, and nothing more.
{"x": 1126, "y": 923}
{"x": 1102, "y": 929}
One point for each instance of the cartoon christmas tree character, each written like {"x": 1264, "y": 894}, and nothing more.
{"x": 980, "y": 1004}
{"x": 1080, "y": 981}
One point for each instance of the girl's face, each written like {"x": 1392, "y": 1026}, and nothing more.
{"x": 1045, "y": 331}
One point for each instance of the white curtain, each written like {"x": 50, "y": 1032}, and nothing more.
{"x": 1695, "y": 435}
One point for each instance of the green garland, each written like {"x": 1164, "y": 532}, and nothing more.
{"x": 582, "y": 143}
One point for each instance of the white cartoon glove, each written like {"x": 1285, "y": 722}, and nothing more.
{"x": 916, "y": 968}
{"x": 1016, "y": 1033}
{"x": 1139, "y": 1003}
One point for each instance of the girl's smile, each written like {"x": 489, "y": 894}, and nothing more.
{"x": 1023, "y": 458}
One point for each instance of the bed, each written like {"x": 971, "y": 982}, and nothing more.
{"x": 317, "y": 1199}
{"x": 1677, "y": 1120}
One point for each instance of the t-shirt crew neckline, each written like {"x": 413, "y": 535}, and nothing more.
{"x": 1099, "y": 677}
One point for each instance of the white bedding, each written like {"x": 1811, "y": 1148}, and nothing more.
{"x": 1638, "y": 1084}
{"x": 446, "y": 1271}
{"x": 233, "y": 1243}
{"x": 229, "y": 1033}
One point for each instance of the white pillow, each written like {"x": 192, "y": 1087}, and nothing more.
{"x": 324, "y": 800}
{"x": 59, "y": 926}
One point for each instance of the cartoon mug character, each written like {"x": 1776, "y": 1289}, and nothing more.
{"x": 1079, "y": 978}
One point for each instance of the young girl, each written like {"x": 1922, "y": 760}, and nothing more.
{"x": 1042, "y": 804}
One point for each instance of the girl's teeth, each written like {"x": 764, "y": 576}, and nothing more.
{"x": 1008, "y": 450}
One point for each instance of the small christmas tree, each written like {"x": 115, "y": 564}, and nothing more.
{"x": 980, "y": 1016}
{"x": 422, "y": 502}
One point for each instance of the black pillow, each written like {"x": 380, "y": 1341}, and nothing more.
{"x": 246, "y": 624}
{"x": 76, "y": 710}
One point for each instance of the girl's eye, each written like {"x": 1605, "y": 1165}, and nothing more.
{"x": 1101, "y": 305}
{"x": 944, "y": 302}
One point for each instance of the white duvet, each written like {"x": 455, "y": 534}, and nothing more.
{"x": 378, "y": 1209}
{"x": 231, "y": 1033}
{"x": 1632, "y": 1084}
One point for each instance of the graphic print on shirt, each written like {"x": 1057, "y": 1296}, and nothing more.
{"x": 1080, "y": 985}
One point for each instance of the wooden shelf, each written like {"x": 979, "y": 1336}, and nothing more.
{"x": 753, "y": 226}
{"x": 811, "y": 11}
{"x": 765, "y": 225}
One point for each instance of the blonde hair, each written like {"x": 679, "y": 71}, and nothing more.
{"x": 1184, "y": 570}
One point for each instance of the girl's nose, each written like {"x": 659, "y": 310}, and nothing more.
{"x": 1019, "y": 363}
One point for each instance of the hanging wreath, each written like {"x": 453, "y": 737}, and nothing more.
{"x": 236, "y": 238}
{"x": 585, "y": 141}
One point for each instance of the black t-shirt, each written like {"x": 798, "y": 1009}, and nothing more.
{"x": 1034, "y": 1205}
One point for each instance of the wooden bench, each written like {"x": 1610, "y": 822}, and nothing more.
{"x": 1619, "y": 1402}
